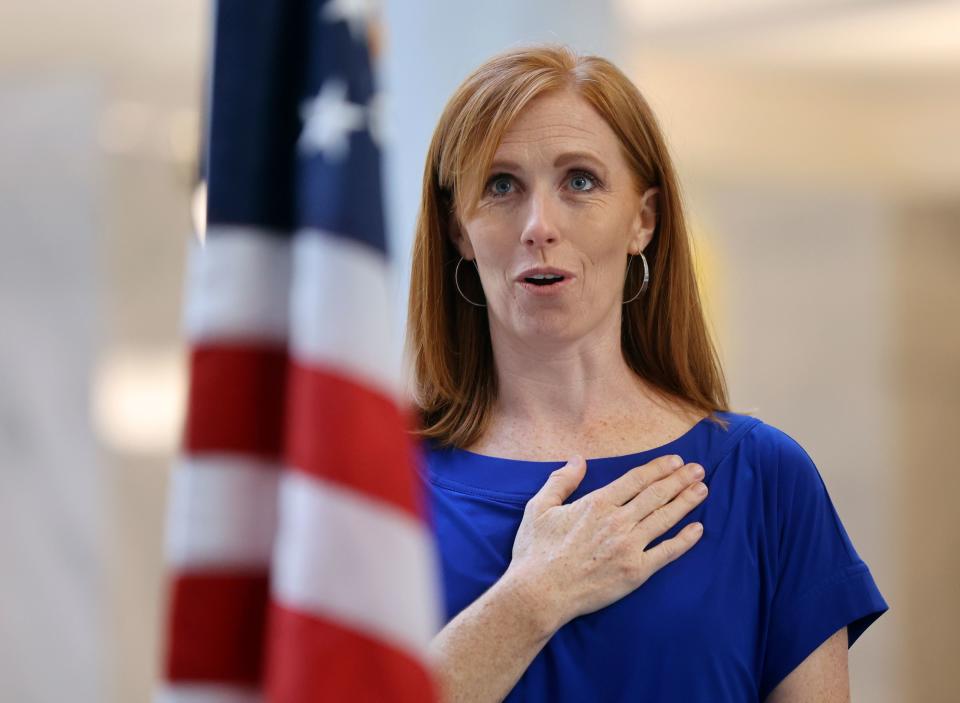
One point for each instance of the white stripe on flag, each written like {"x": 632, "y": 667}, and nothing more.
{"x": 205, "y": 693}
{"x": 357, "y": 561}
{"x": 340, "y": 310}
{"x": 238, "y": 285}
{"x": 222, "y": 512}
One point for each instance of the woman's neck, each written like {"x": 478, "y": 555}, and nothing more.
{"x": 582, "y": 397}
{"x": 568, "y": 394}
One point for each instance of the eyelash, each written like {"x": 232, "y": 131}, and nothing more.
{"x": 571, "y": 174}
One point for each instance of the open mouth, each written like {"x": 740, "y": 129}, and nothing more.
{"x": 546, "y": 280}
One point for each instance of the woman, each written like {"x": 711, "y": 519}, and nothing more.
{"x": 554, "y": 314}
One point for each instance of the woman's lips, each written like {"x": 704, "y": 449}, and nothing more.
{"x": 546, "y": 290}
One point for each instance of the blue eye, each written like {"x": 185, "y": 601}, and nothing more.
{"x": 583, "y": 181}
{"x": 500, "y": 185}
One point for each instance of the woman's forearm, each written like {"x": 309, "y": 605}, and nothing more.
{"x": 481, "y": 654}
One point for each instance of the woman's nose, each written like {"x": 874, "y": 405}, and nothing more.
{"x": 540, "y": 226}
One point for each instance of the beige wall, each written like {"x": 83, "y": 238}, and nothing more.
{"x": 926, "y": 371}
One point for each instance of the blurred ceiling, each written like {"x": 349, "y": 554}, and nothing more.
{"x": 863, "y": 35}
{"x": 868, "y": 91}
{"x": 860, "y": 95}
{"x": 143, "y": 49}
{"x": 164, "y": 38}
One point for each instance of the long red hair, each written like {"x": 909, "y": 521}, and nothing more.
{"x": 664, "y": 336}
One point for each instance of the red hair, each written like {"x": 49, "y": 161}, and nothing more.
{"x": 664, "y": 335}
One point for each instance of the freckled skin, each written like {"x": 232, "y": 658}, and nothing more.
{"x": 547, "y": 220}
{"x": 560, "y": 193}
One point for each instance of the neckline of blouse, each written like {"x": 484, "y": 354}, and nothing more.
{"x": 620, "y": 457}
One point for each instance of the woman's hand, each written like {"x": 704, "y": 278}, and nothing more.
{"x": 577, "y": 558}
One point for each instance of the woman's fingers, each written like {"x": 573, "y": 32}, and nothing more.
{"x": 670, "y": 549}
{"x": 558, "y": 487}
{"x": 638, "y": 479}
{"x": 666, "y": 502}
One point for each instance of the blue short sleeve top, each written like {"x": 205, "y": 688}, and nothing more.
{"x": 773, "y": 576}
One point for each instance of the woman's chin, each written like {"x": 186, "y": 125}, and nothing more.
{"x": 550, "y": 327}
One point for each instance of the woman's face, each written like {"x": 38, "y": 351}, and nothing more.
{"x": 559, "y": 196}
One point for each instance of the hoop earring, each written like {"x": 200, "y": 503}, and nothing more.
{"x": 646, "y": 277}
{"x": 456, "y": 279}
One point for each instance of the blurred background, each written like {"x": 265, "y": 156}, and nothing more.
{"x": 818, "y": 144}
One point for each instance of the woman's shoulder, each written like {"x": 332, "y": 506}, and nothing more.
{"x": 770, "y": 440}
{"x": 775, "y": 453}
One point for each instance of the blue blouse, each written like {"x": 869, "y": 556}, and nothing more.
{"x": 772, "y": 577}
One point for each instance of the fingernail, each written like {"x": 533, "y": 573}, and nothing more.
{"x": 676, "y": 461}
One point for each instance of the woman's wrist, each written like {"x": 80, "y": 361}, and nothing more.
{"x": 532, "y": 603}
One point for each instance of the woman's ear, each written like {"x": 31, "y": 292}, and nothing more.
{"x": 460, "y": 241}
{"x": 645, "y": 221}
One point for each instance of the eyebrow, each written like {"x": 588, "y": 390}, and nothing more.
{"x": 562, "y": 160}
{"x": 569, "y": 156}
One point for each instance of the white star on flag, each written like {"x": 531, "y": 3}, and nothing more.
{"x": 328, "y": 120}
{"x": 356, "y": 13}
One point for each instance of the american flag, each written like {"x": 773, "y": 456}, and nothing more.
{"x": 302, "y": 568}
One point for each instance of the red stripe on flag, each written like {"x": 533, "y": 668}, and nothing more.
{"x": 216, "y": 627}
{"x": 316, "y": 659}
{"x": 236, "y": 399}
{"x": 341, "y": 431}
